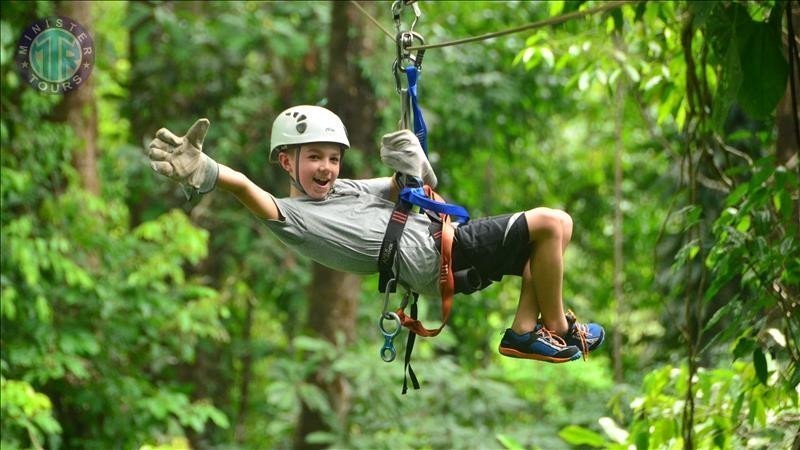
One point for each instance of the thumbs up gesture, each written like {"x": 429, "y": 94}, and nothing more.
{"x": 182, "y": 158}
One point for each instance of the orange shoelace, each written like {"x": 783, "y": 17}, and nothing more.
{"x": 581, "y": 331}
{"x": 551, "y": 336}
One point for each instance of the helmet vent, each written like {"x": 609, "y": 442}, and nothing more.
{"x": 301, "y": 125}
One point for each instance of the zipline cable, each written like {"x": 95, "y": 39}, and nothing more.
{"x": 374, "y": 20}
{"x": 607, "y": 6}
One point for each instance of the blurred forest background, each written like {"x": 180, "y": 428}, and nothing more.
{"x": 135, "y": 319}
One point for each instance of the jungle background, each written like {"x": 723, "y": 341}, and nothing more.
{"x": 135, "y": 319}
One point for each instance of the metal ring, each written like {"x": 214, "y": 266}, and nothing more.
{"x": 391, "y": 356}
{"x": 392, "y": 316}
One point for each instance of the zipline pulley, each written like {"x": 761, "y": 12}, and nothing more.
{"x": 404, "y": 40}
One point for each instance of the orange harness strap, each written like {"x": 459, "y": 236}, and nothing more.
{"x": 446, "y": 280}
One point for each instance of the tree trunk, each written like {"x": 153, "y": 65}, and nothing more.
{"x": 79, "y": 109}
{"x": 247, "y": 373}
{"x": 333, "y": 295}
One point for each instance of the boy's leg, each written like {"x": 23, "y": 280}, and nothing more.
{"x": 528, "y": 307}
{"x": 550, "y": 231}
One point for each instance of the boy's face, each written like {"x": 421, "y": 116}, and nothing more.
{"x": 319, "y": 167}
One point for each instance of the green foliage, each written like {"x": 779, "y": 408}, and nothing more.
{"x": 97, "y": 315}
{"x": 90, "y": 306}
{"x": 134, "y": 319}
{"x": 26, "y": 410}
{"x": 736, "y": 409}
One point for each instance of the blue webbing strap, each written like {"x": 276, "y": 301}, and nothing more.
{"x": 419, "y": 122}
{"x": 416, "y": 196}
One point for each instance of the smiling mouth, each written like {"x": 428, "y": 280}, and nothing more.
{"x": 321, "y": 182}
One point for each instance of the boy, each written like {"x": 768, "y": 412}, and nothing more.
{"x": 341, "y": 224}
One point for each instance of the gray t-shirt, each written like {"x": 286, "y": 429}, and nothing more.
{"x": 345, "y": 231}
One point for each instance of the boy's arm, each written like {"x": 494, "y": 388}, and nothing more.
{"x": 182, "y": 159}
{"x": 257, "y": 200}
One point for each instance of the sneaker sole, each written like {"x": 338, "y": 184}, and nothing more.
{"x": 512, "y": 353}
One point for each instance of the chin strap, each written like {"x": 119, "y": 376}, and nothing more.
{"x": 296, "y": 176}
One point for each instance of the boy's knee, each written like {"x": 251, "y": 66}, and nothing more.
{"x": 548, "y": 223}
{"x": 566, "y": 223}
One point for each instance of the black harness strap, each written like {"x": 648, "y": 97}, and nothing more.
{"x": 391, "y": 240}
{"x": 408, "y": 372}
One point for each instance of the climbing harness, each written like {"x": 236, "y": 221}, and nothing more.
{"x": 414, "y": 193}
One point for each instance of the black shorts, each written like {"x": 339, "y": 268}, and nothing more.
{"x": 494, "y": 246}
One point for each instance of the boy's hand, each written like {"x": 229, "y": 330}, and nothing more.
{"x": 182, "y": 158}
{"x": 402, "y": 152}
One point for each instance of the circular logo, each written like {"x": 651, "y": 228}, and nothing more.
{"x": 55, "y": 55}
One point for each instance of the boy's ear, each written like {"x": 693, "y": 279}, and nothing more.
{"x": 285, "y": 160}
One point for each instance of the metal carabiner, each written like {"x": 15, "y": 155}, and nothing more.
{"x": 390, "y": 285}
{"x": 398, "y": 80}
{"x": 397, "y": 8}
{"x": 417, "y": 14}
{"x": 388, "y": 353}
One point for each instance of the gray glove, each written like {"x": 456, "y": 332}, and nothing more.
{"x": 182, "y": 158}
{"x": 402, "y": 152}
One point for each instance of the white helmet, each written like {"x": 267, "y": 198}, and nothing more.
{"x": 304, "y": 124}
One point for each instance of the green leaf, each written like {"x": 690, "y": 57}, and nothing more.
{"x": 764, "y": 71}
{"x": 314, "y": 398}
{"x": 730, "y": 84}
{"x": 619, "y": 23}
{"x": 720, "y": 313}
{"x": 795, "y": 376}
{"x": 642, "y": 440}
{"x": 743, "y": 224}
{"x": 737, "y": 194}
{"x": 760, "y": 363}
{"x": 737, "y": 408}
{"x": 743, "y": 346}
{"x": 313, "y": 345}
{"x": 576, "y": 435}
{"x": 320, "y": 437}
{"x": 508, "y": 442}
{"x": 218, "y": 417}
{"x": 701, "y": 11}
